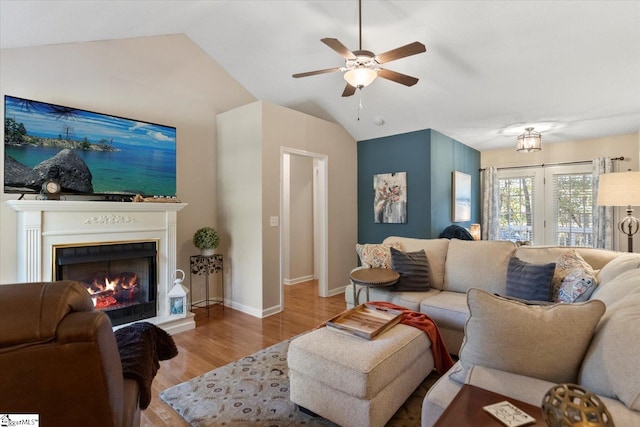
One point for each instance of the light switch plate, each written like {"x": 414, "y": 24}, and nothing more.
{"x": 274, "y": 221}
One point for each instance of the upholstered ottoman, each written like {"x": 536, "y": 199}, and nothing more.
{"x": 356, "y": 382}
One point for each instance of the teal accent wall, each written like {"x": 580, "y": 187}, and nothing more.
{"x": 429, "y": 158}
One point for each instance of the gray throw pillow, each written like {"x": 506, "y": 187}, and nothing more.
{"x": 529, "y": 281}
{"x": 413, "y": 268}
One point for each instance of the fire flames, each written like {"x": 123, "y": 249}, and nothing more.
{"x": 113, "y": 291}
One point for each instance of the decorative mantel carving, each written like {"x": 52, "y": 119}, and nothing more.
{"x": 109, "y": 219}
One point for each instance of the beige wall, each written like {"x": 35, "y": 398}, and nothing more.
{"x": 301, "y": 220}
{"x": 239, "y": 163}
{"x": 164, "y": 79}
{"x": 257, "y": 252}
{"x": 627, "y": 146}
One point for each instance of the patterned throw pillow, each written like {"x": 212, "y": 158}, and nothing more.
{"x": 376, "y": 255}
{"x": 574, "y": 279}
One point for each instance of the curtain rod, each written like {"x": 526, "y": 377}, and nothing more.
{"x": 542, "y": 165}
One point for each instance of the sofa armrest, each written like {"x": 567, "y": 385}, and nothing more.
{"x": 131, "y": 410}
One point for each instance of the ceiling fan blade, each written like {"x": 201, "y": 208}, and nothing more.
{"x": 336, "y": 45}
{"x": 397, "y": 77}
{"x": 313, "y": 73}
{"x": 348, "y": 90}
{"x": 401, "y": 52}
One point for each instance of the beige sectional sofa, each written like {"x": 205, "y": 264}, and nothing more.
{"x": 603, "y": 356}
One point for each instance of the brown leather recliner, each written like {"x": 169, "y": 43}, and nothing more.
{"x": 59, "y": 358}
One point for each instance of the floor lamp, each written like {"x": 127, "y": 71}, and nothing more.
{"x": 622, "y": 189}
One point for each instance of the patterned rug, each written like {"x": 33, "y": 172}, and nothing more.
{"x": 254, "y": 391}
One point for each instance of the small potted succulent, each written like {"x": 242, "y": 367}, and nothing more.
{"x": 207, "y": 240}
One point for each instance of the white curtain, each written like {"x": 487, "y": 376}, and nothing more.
{"x": 603, "y": 226}
{"x": 490, "y": 195}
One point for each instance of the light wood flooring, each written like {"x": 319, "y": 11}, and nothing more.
{"x": 227, "y": 335}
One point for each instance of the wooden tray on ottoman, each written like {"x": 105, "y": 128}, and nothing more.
{"x": 365, "y": 321}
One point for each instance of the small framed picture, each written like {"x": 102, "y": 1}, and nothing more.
{"x": 461, "y": 197}
{"x": 177, "y": 305}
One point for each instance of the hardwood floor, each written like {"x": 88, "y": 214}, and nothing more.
{"x": 227, "y": 335}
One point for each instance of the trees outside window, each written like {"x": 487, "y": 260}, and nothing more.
{"x": 547, "y": 206}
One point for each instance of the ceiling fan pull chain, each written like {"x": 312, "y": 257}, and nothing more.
{"x": 359, "y": 102}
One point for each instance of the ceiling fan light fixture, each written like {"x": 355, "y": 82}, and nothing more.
{"x": 360, "y": 77}
{"x": 529, "y": 141}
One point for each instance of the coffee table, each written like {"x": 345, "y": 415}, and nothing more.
{"x": 466, "y": 409}
{"x": 372, "y": 278}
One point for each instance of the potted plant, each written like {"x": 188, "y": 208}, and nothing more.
{"x": 207, "y": 240}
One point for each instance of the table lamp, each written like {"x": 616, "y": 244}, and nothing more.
{"x": 622, "y": 189}
{"x": 474, "y": 230}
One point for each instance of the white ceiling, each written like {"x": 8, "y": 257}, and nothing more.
{"x": 569, "y": 68}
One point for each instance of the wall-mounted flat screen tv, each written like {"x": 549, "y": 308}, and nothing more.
{"x": 87, "y": 152}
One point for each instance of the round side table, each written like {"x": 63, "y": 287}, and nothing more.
{"x": 372, "y": 278}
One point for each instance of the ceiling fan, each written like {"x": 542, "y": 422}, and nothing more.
{"x": 363, "y": 66}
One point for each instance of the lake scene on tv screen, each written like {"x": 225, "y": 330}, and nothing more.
{"x": 124, "y": 156}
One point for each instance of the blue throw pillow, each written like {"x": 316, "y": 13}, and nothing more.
{"x": 529, "y": 281}
{"x": 413, "y": 268}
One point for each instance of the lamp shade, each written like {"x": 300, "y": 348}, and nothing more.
{"x": 360, "y": 77}
{"x": 529, "y": 141}
{"x": 474, "y": 230}
{"x": 619, "y": 189}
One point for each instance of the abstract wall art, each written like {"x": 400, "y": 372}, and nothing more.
{"x": 390, "y": 198}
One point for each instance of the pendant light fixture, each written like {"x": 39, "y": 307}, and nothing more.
{"x": 529, "y": 141}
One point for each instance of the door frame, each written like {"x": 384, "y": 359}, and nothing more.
{"x": 320, "y": 216}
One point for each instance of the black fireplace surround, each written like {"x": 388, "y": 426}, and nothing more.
{"x": 121, "y": 277}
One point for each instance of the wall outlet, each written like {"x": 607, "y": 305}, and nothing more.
{"x": 274, "y": 221}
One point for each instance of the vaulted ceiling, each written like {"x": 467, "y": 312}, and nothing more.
{"x": 571, "y": 69}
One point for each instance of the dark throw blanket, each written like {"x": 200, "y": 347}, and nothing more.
{"x": 441, "y": 357}
{"x": 456, "y": 232}
{"x": 142, "y": 345}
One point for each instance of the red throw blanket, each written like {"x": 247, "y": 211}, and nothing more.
{"x": 441, "y": 357}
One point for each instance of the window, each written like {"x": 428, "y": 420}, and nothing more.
{"x": 516, "y": 208}
{"x": 547, "y": 206}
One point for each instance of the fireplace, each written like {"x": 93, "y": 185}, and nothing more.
{"x": 120, "y": 277}
{"x": 43, "y": 225}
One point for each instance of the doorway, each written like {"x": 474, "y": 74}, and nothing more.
{"x": 318, "y": 173}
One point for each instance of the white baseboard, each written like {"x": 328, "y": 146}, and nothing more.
{"x": 336, "y": 291}
{"x": 298, "y": 280}
{"x": 246, "y": 309}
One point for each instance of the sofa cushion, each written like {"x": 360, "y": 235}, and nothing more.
{"x": 545, "y": 342}
{"x": 436, "y": 250}
{"x": 376, "y": 255}
{"x": 596, "y": 258}
{"x": 574, "y": 279}
{"x": 480, "y": 264}
{"x": 617, "y": 266}
{"x": 413, "y": 268}
{"x": 529, "y": 281}
{"x": 618, "y": 288}
{"x": 611, "y": 366}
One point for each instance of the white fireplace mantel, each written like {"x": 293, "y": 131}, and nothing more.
{"x": 44, "y": 224}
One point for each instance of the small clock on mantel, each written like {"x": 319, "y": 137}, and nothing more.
{"x": 51, "y": 189}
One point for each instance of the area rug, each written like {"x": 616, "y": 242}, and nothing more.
{"x": 254, "y": 391}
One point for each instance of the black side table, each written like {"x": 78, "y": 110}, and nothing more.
{"x": 205, "y": 266}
